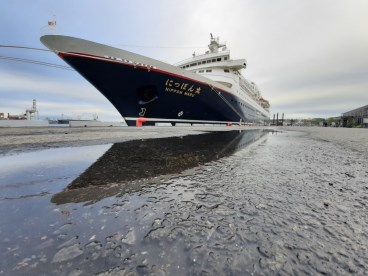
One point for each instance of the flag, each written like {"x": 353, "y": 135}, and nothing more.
{"x": 52, "y": 23}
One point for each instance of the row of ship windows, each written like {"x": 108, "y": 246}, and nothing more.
{"x": 203, "y": 62}
{"x": 251, "y": 109}
{"x": 209, "y": 71}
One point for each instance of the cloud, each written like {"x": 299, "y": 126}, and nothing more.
{"x": 20, "y": 81}
{"x": 54, "y": 95}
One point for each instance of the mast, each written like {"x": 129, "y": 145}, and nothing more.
{"x": 215, "y": 44}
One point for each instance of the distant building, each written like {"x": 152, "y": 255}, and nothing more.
{"x": 356, "y": 117}
{"x": 30, "y": 114}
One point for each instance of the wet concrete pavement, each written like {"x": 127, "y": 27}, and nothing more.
{"x": 287, "y": 203}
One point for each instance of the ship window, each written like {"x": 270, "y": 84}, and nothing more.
{"x": 209, "y": 70}
{"x": 200, "y": 71}
{"x": 214, "y": 60}
{"x": 203, "y": 62}
{"x": 225, "y": 58}
{"x": 226, "y": 84}
{"x": 218, "y": 59}
{"x": 226, "y": 70}
{"x": 209, "y": 61}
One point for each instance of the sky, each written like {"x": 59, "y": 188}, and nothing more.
{"x": 308, "y": 57}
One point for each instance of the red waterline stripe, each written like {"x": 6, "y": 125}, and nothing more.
{"x": 62, "y": 55}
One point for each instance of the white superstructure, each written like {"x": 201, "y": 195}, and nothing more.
{"x": 216, "y": 65}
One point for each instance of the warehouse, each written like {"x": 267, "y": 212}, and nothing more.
{"x": 356, "y": 117}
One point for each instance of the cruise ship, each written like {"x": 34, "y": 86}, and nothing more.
{"x": 204, "y": 89}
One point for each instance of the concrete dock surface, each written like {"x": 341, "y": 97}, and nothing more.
{"x": 20, "y": 139}
{"x": 261, "y": 202}
{"x": 34, "y": 138}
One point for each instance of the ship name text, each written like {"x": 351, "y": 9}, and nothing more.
{"x": 182, "y": 88}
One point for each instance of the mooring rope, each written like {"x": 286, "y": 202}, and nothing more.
{"x": 218, "y": 93}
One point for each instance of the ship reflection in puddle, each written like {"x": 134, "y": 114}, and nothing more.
{"x": 129, "y": 166}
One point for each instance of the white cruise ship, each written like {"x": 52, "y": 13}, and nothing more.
{"x": 206, "y": 88}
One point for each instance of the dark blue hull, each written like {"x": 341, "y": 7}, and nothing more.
{"x": 159, "y": 96}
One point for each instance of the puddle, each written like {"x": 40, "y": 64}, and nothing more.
{"x": 44, "y": 170}
{"x": 60, "y": 205}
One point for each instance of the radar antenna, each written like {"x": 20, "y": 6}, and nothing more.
{"x": 215, "y": 44}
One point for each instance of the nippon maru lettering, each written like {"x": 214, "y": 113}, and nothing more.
{"x": 206, "y": 88}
